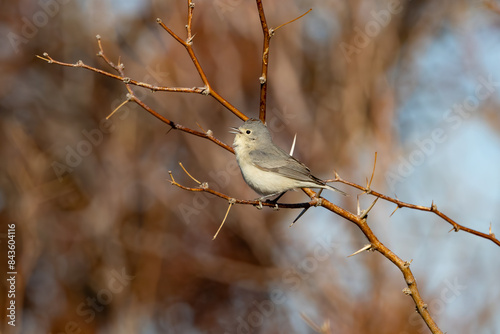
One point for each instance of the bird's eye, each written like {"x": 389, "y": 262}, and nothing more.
{"x": 248, "y": 132}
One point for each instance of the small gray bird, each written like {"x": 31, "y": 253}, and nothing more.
{"x": 266, "y": 168}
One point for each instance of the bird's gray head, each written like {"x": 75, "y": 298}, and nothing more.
{"x": 253, "y": 133}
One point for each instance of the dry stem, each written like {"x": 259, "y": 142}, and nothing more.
{"x": 433, "y": 208}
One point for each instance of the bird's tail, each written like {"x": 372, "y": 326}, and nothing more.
{"x": 327, "y": 186}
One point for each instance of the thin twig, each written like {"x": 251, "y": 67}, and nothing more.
{"x": 185, "y": 171}
{"x": 268, "y": 33}
{"x": 231, "y": 202}
{"x": 116, "y": 109}
{"x": 178, "y": 126}
{"x": 313, "y": 202}
{"x": 265, "y": 61}
{"x": 131, "y": 96}
{"x": 373, "y": 172}
{"x": 295, "y": 19}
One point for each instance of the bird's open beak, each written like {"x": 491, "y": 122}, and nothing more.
{"x": 234, "y": 130}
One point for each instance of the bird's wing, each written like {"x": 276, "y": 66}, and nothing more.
{"x": 276, "y": 160}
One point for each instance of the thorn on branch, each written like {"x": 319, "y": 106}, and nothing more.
{"x": 201, "y": 128}
{"x": 298, "y": 217}
{"x": 189, "y": 41}
{"x": 293, "y": 144}
{"x": 367, "y": 247}
{"x": 396, "y": 209}
{"x": 407, "y": 263}
{"x": 358, "y": 206}
{"x": 205, "y": 91}
{"x": 364, "y": 213}
{"x": 369, "y": 184}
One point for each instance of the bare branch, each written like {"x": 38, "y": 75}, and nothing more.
{"x": 386, "y": 252}
{"x": 185, "y": 171}
{"x": 116, "y": 109}
{"x": 433, "y": 208}
{"x": 362, "y": 225}
{"x": 273, "y": 31}
{"x": 188, "y": 45}
{"x": 268, "y": 33}
{"x": 205, "y": 188}
{"x": 231, "y": 202}
{"x": 265, "y": 61}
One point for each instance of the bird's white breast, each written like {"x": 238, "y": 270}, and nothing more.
{"x": 261, "y": 181}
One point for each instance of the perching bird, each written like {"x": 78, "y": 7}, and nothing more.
{"x": 266, "y": 168}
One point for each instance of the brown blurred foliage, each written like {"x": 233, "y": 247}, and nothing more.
{"x": 106, "y": 244}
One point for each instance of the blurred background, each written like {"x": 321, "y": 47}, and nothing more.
{"x": 105, "y": 244}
